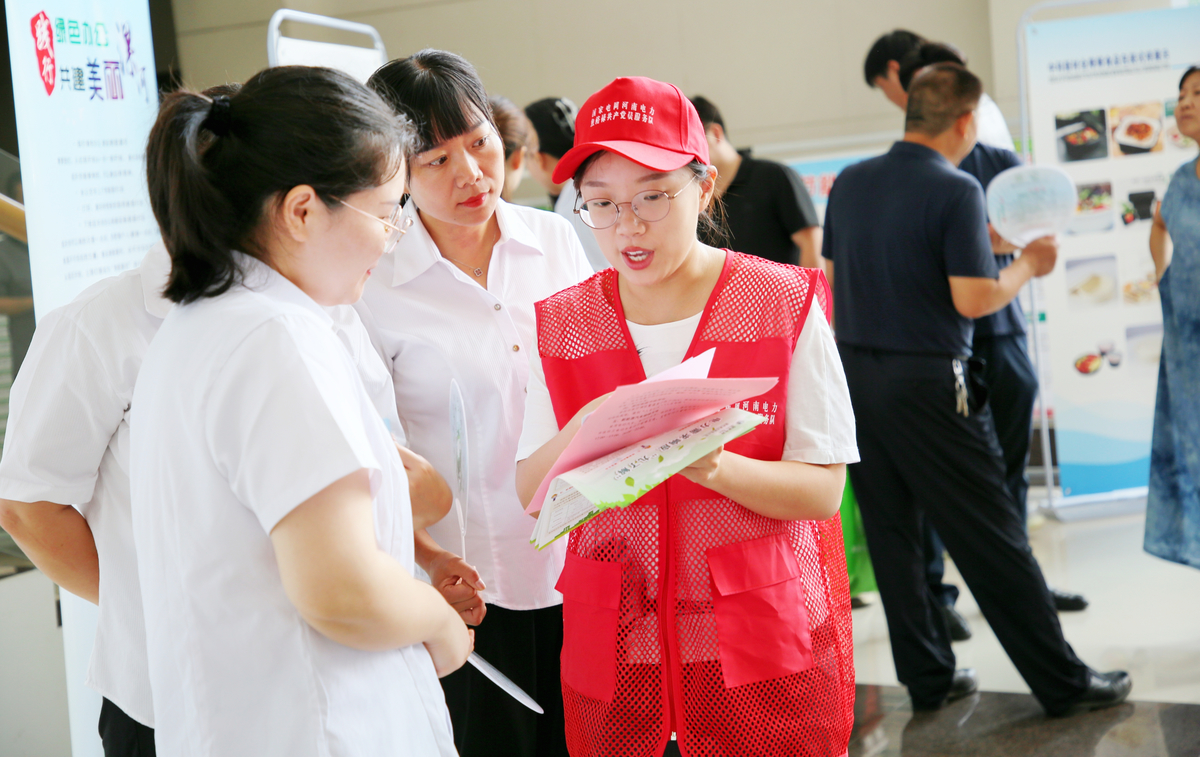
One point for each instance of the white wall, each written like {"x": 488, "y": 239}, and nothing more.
{"x": 781, "y": 72}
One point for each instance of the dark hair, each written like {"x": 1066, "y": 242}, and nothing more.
{"x": 709, "y": 114}
{"x": 926, "y": 55}
{"x": 439, "y": 92}
{"x": 711, "y": 223}
{"x": 892, "y": 46}
{"x": 1186, "y": 74}
{"x": 553, "y": 119}
{"x": 216, "y": 161}
{"x": 512, "y": 124}
{"x": 938, "y": 96}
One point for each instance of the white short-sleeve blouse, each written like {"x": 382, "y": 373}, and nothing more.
{"x": 247, "y": 405}
{"x": 432, "y": 323}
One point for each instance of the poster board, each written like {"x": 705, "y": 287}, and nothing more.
{"x": 86, "y": 95}
{"x": 1101, "y": 99}
{"x": 819, "y": 173}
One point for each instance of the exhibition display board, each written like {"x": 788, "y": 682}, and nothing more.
{"x": 1102, "y": 93}
{"x": 86, "y": 95}
{"x": 819, "y": 173}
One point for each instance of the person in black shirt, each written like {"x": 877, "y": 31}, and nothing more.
{"x": 912, "y": 266}
{"x": 768, "y": 211}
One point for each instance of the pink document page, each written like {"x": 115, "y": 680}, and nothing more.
{"x": 676, "y": 397}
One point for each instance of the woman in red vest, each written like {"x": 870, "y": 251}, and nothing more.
{"x": 711, "y": 616}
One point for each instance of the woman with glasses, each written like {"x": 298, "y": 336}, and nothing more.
{"x": 270, "y": 510}
{"x": 454, "y": 303}
{"x": 711, "y": 616}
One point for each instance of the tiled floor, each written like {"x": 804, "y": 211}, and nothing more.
{"x": 1144, "y": 618}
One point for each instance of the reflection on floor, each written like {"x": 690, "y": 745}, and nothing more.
{"x": 1143, "y": 618}
{"x": 1144, "y": 615}
{"x": 994, "y": 724}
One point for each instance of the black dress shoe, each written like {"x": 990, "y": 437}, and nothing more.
{"x": 1104, "y": 690}
{"x": 964, "y": 684}
{"x": 959, "y": 630}
{"x": 1064, "y": 602}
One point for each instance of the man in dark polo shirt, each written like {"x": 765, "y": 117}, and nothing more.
{"x": 912, "y": 265}
{"x": 1000, "y": 345}
{"x": 768, "y": 211}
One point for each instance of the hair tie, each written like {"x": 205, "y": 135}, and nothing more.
{"x": 218, "y": 120}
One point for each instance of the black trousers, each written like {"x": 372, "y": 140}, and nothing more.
{"x": 121, "y": 735}
{"x": 923, "y": 459}
{"x": 1012, "y": 390}
{"x": 524, "y": 645}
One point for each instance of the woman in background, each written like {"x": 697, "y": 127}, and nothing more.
{"x": 520, "y": 141}
{"x": 1173, "y": 507}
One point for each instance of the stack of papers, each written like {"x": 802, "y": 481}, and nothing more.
{"x": 639, "y": 437}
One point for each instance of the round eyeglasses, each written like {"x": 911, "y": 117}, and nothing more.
{"x": 393, "y": 225}
{"x": 650, "y": 206}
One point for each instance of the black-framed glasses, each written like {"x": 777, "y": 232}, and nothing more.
{"x": 650, "y": 205}
{"x": 393, "y": 225}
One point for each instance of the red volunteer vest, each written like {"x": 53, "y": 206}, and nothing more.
{"x": 685, "y": 611}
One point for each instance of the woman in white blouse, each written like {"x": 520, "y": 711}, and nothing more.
{"x": 270, "y": 510}
{"x": 455, "y": 302}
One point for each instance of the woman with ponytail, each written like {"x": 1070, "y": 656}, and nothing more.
{"x": 270, "y": 510}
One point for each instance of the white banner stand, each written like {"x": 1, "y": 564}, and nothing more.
{"x": 1122, "y": 498}
{"x": 359, "y": 62}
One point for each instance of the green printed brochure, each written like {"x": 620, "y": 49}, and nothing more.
{"x": 618, "y": 479}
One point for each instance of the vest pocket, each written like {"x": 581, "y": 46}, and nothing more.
{"x": 591, "y": 592}
{"x": 758, "y": 601}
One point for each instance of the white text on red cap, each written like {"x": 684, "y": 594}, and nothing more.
{"x": 626, "y": 111}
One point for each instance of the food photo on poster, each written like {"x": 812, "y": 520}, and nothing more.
{"x": 1144, "y": 343}
{"x": 1092, "y": 282}
{"x": 1136, "y": 129}
{"x": 1094, "y": 209}
{"x": 1081, "y": 135}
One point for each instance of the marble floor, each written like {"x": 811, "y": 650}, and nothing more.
{"x": 992, "y": 724}
{"x": 1144, "y": 618}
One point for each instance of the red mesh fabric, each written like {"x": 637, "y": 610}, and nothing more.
{"x": 668, "y": 654}
{"x": 749, "y": 308}
{"x": 581, "y": 320}
{"x": 806, "y": 713}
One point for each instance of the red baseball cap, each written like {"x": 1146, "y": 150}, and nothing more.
{"x": 650, "y": 122}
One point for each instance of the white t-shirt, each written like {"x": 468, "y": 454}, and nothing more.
{"x": 433, "y": 323}
{"x": 565, "y": 207}
{"x": 67, "y": 442}
{"x": 820, "y": 420}
{"x": 247, "y": 405}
